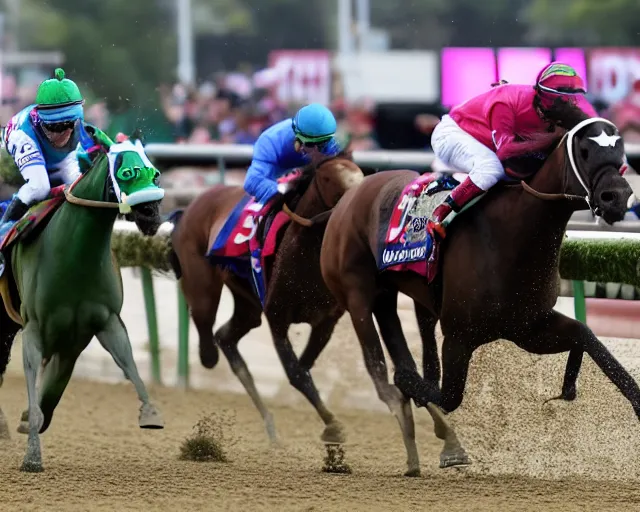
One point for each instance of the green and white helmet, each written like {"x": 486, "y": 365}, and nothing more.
{"x": 59, "y": 100}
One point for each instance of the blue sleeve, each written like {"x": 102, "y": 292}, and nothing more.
{"x": 260, "y": 181}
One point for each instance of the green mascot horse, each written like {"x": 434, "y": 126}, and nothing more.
{"x": 61, "y": 276}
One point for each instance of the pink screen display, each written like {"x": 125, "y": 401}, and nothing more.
{"x": 466, "y": 72}
{"x": 575, "y": 57}
{"x": 522, "y": 65}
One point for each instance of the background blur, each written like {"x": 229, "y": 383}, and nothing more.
{"x": 220, "y": 71}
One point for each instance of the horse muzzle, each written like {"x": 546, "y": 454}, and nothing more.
{"x": 612, "y": 203}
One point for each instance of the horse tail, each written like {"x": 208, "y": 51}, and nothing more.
{"x": 174, "y": 218}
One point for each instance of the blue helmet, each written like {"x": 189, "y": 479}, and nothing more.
{"x": 314, "y": 123}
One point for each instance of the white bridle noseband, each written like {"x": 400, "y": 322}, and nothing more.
{"x": 570, "y": 136}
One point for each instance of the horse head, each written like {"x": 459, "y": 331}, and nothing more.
{"x": 334, "y": 176}
{"x": 319, "y": 187}
{"x": 134, "y": 181}
{"x": 591, "y": 155}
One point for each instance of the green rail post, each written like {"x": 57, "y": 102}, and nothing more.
{"x": 183, "y": 340}
{"x": 152, "y": 323}
{"x": 579, "y": 302}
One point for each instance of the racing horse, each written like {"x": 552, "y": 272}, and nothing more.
{"x": 295, "y": 289}
{"x": 497, "y": 280}
{"x": 62, "y": 285}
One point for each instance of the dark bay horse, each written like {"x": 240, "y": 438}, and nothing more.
{"x": 295, "y": 290}
{"x": 497, "y": 277}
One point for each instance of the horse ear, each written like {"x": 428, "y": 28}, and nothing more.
{"x": 137, "y": 134}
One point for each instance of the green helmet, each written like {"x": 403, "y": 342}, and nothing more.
{"x": 58, "y": 92}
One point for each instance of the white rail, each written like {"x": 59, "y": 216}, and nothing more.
{"x": 220, "y": 154}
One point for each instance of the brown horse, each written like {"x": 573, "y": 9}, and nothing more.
{"x": 295, "y": 291}
{"x": 497, "y": 281}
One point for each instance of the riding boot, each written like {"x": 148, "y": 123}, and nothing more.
{"x": 444, "y": 213}
{"x": 12, "y": 214}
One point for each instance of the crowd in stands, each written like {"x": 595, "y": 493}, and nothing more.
{"x": 234, "y": 108}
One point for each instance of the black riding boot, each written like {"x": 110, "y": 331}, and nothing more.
{"x": 13, "y": 213}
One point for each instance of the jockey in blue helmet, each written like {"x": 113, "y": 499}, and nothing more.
{"x": 287, "y": 145}
{"x": 42, "y": 139}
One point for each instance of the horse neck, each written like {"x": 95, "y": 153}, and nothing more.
{"x": 536, "y": 225}
{"x": 91, "y": 226}
{"x": 311, "y": 203}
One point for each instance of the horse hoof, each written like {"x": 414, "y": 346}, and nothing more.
{"x": 451, "y": 460}
{"x": 334, "y": 433}
{"x": 209, "y": 356}
{"x": 31, "y": 467}
{"x": 415, "y": 472}
{"x": 150, "y": 417}
{"x": 567, "y": 396}
{"x": 23, "y": 428}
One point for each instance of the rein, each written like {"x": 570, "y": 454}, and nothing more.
{"x": 90, "y": 203}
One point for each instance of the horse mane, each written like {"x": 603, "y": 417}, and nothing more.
{"x": 565, "y": 114}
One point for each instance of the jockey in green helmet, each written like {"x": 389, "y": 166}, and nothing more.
{"x": 42, "y": 139}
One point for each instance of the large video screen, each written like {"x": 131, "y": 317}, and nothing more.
{"x": 466, "y": 72}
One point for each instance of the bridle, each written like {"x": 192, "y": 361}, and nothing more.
{"x": 569, "y": 137}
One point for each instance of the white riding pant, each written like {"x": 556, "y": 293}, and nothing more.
{"x": 38, "y": 181}
{"x": 458, "y": 149}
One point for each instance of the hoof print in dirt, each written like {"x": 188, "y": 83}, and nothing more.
{"x": 334, "y": 460}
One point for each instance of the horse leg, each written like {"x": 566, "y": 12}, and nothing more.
{"x": 32, "y": 358}
{"x": 555, "y": 333}
{"x": 571, "y": 372}
{"x": 299, "y": 377}
{"x": 202, "y": 288}
{"x": 55, "y": 377}
{"x": 115, "y": 340}
{"x": 318, "y": 339}
{"x": 456, "y": 356}
{"x": 386, "y": 312}
{"x": 246, "y": 316}
{"x": 360, "y": 307}
{"x": 4, "y": 427}
{"x": 430, "y": 359}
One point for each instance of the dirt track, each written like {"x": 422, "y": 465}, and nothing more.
{"x": 97, "y": 459}
{"x": 526, "y": 456}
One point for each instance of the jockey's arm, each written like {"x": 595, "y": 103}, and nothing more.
{"x": 31, "y": 163}
{"x": 502, "y": 120}
{"x": 261, "y": 180}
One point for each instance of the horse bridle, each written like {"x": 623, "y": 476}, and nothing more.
{"x": 569, "y": 136}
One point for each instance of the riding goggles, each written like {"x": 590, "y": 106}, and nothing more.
{"x": 309, "y": 140}
{"x": 59, "y": 127}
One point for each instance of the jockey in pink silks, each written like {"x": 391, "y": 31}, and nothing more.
{"x": 507, "y": 121}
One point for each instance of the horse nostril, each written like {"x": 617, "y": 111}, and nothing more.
{"x": 608, "y": 196}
